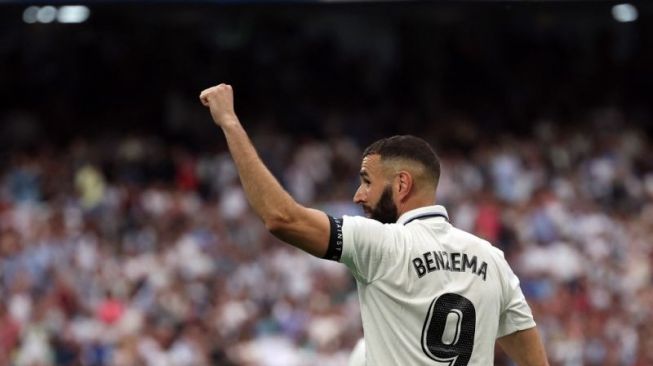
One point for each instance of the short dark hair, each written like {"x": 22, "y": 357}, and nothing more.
{"x": 410, "y": 148}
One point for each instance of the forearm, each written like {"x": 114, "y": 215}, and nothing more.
{"x": 264, "y": 193}
{"x": 305, "y": 228}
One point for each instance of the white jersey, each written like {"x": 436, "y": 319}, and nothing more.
{"x": 430, "y": 294}
{"x": 357, "y": 357}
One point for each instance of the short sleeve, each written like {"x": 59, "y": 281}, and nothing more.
{"x": 516, "y": 315}
{"x": 369, "y": 248}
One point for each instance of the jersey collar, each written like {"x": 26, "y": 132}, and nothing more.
{"x": 423, "y": 213}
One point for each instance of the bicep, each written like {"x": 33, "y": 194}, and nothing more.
{"x": 307, "y": 229}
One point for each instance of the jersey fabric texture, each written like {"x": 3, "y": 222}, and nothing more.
{"x": 429, "y": 293}
{"x": 357, "y": 357}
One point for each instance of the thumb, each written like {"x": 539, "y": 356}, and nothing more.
{"x": 204, "y": 96}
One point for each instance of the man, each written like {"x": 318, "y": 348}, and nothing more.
{"x": 429, "y": 293}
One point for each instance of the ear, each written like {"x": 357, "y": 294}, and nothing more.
{"x": 404, "y": 185}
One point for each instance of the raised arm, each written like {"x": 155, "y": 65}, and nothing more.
{"x": 305, "y": 228}
{"x": 524, "y": 347}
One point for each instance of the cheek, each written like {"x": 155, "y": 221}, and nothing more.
{"x": 373, "y": 195}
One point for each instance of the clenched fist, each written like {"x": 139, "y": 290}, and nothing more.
{"x": 220, "y": 100}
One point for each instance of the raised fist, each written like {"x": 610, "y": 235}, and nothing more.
{"x": 220, "y": 100}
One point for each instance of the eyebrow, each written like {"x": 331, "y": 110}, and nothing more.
{"x": 364, "y": 174}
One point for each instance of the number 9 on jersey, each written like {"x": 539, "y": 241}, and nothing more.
{"x": 449, "y": 328}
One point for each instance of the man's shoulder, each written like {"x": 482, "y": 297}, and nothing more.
{"x": 372, "y": 228}
{"x": 367, "y": 222}
{"x": 476, "y": 242}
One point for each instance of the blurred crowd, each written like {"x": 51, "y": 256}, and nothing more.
{"x": 126, "y": 239}
{"x": 131, "y": 251}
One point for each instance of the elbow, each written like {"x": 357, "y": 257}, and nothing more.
{"x": 278, "y": 224}
{"x": 275, "y": 226}
{"x": 284, "y": 220}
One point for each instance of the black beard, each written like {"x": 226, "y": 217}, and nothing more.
{"x": 385, "y": 210}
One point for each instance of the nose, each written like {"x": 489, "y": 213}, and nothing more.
{"x": 359, "y": 196}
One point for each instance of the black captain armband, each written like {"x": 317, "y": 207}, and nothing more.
{"x": 334, "y": 251}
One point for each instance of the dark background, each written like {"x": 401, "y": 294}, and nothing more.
{"x": 139, "y": 66}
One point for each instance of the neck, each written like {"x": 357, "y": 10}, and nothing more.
{"x": 415, "y": 202}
